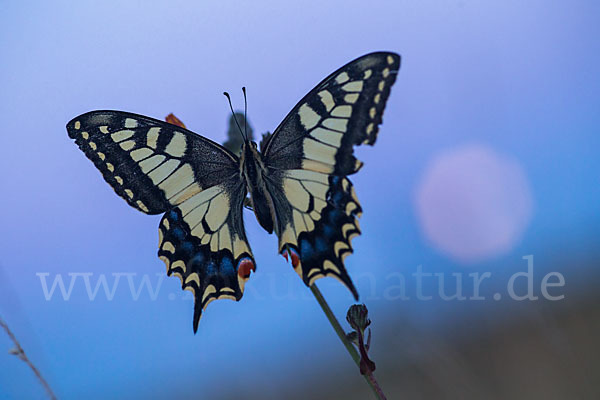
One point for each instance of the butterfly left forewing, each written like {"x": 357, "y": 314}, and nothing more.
{"x": 151, "y": 164}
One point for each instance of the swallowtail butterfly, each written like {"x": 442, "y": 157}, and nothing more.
{"x": 298, "y": 182}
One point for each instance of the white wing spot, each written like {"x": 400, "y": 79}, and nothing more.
{"x": 168, "y": 246}
{"x": 367, "y": 74}
{"x": 209, "y": 290}
{"x": 342, "y": 111}
{"x": 317, "y": 166}
{"x": 326, "y": 99}
{"x": 176, "y": 264}
{"x": 350, "y": 207}
{"x": 296, "y": 194}
{"x": 218, "y": 212}
{"x": 140, "y": 154}
{"x": 93, "y": 146}
{"x": 131, "y": 123}
{"x": 152, "y": 137}
{"x": 319, "y": 152}
{"x": 121, "y": 135}
{"x": 328, "y": 136}
{"x": 143, "y": 207}
{"x": 341, "y": 78}
{"x": 372, "y": 112}
{"x": 339, "y": 246}
{"x": 129, "y": 193}
{"x": 85, "y": 135}
{"x": 355, "y": 86}
{"x": 351, "y": 98}
{"x": 128, "y": 145}
{"x": 390, "y": 60}
{"x": 77, "y": 124}
{"x": 103, "y": 129}
{"x": 337, "y": 124}
{"x": 179, "y": 180}
{"x": 328, "y": 265}
{"x": 347, "y": 227}
{"x": 377, "y": 98}
{"x": 308, "y": 117}
{"x": 386, "y": 72}
{"x": 119, "y": 180}
{"x": 151, "y": 163}
{"x": 163, "y": 171}
{"x": 177, "y": 145}
{"x": 381, "y": 85}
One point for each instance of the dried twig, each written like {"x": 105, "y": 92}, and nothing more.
{"x": 20, "y": 353}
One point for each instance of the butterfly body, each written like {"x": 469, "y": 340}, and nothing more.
{"x": 298, "y": 183}
{"x": 255, "y": 174}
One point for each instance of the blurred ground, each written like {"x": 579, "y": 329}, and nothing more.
{"x": 533, "y": 350}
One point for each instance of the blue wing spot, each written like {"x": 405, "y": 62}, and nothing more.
{"x": 227, "y": 266}
{"x": 173, "y": 216}
{"x": 210, "y": 268}
{"x": 188, "y": 248}
{"x": 178, "y": 233}
{"x": 306, "y": 249}
{"x": 334, "y": 215}
{"x": 320, "y": 245}
{"x": 197, "y": 261}
{"x": 337, "y": 198}
{"x": 328, "y": 231}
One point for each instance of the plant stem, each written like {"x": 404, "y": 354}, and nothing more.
{"x": 370, "y": 378}
{"x": 21, "y": 354}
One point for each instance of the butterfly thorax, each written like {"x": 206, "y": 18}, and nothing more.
{"x": 254, "y": 172}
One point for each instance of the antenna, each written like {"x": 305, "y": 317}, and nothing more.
{"x": 234, "y": 118}
{"x": 245, "y": 112}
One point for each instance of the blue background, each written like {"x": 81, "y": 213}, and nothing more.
{"x": 521, "y": 78}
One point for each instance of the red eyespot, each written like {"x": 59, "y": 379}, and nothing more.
{"x": 293, "y": 254}
{"x": 244, "y": 267}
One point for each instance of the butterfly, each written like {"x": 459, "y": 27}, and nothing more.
{"x": 297, "y": 182}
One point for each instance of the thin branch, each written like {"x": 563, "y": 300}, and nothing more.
{"x": 19, "y": 352}
{"x": 370, "y": 378}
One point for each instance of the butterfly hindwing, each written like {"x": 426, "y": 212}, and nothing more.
{"x": 317, "y": 219}
{"x": 151, "y": 164}
{"x": 309, "y": 156}
{"x": 203, "y": 242}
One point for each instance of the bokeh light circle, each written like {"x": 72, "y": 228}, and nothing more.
{"x": 473, "y": 204}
